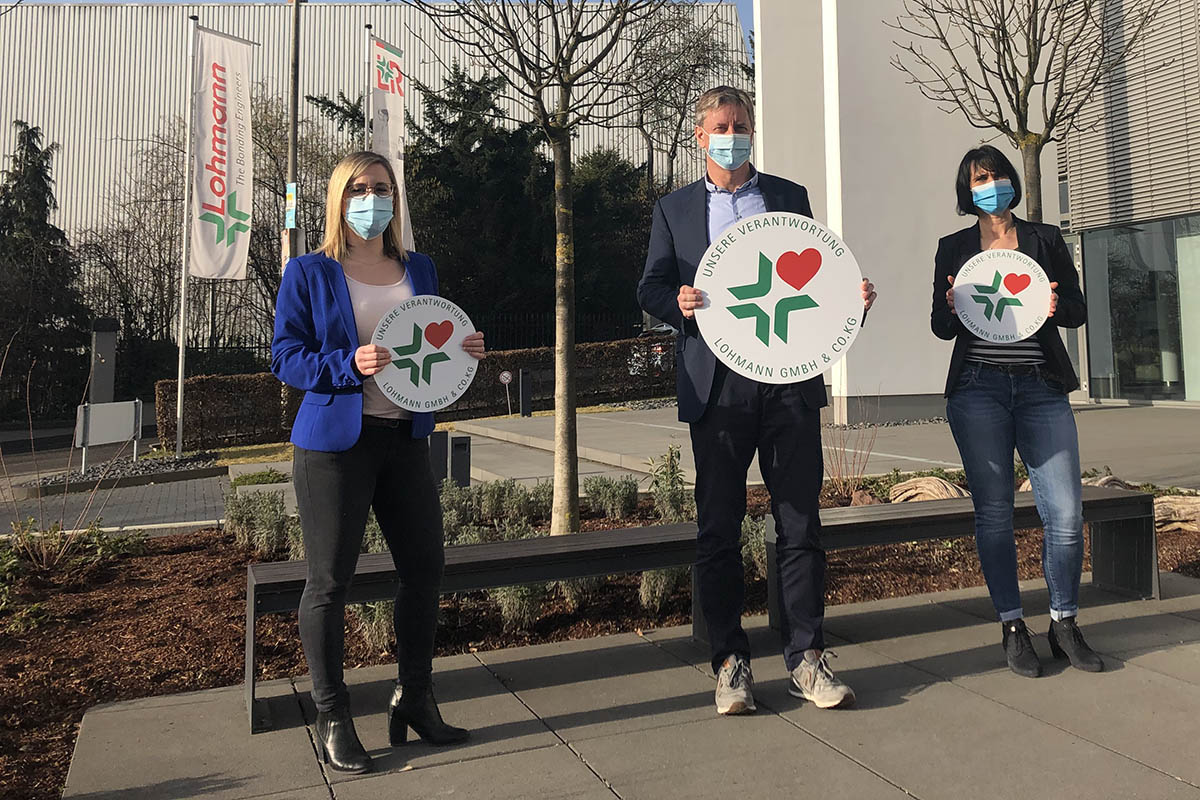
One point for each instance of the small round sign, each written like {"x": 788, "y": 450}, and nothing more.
{"x": 1002, "y": 296}
{"x": 429, "y": 369}
{"x": 506, "y": 377}
{"x": 783, "y": 298}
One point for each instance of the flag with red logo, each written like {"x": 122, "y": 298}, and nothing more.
{"x": 387, "y": 89}
{"x": 222, "y": 157}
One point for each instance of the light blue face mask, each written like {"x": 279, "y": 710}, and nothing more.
{"x": 995, "y": 197}
{"x": 729, "y": 150}
{"x": 369, "y": 215}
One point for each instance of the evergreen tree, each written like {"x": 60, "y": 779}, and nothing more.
{"x": 43, "y": 315}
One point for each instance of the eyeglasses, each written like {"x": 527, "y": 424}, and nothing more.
{"x": 379, "y": 190}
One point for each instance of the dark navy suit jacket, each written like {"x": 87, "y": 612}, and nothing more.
{"x": 678, "y": 239}
{"x": 314, "y": 344}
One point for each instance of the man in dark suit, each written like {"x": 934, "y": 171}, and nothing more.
{"x": 732, "y": 417}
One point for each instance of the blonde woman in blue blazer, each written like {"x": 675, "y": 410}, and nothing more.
{"x": 356, "y": 451}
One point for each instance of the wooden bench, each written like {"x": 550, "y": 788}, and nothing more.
{"x": 1121, "y": 523}
{"x": 276, "y": 587}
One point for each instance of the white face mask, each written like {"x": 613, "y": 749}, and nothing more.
{"x": 730, "y": 150}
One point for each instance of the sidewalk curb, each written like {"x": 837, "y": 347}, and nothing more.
{"x": 34, "y": 492}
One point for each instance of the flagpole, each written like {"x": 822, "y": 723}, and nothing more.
{"x": 187, "y": 237}
{"x": 367, "y": 96}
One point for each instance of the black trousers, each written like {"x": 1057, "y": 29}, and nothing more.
{"x": 389, "y": 471}
{"x": 744, "y": 417}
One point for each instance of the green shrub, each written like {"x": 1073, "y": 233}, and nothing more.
{"x": 579, "y": 592}
{"x": 672, "y": 501}
{"x": 375, "y": 623}
{"x": 503, "y": 501}
{"x": 10, "y": 571}
{"x": 614, "y": 498}
{"x": 519, "y": 605}
{"x": 658, "y": 585}
{"x": 462, "y": 501}
{"x": 258, "y": 522}
{"x": 294, "y": 534}
{"x": 754, "y": 546}
{"x": 541, "y": 501}
{"x": 259, "y": 478}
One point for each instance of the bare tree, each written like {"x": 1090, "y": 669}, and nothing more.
{"x": 567, "y": 64}
{"x": 1025, "y": 68}
{"x": 686, "y": 57}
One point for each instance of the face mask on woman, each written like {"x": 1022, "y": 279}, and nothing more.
{"x": 729, "y": 150}
{"x": 995, "y": 197}
{"x": 369, "y": 215}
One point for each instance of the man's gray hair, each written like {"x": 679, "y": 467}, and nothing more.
{"x": 723, "y": 96}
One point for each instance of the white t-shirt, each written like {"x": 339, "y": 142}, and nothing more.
{"x": 370, "y": 303}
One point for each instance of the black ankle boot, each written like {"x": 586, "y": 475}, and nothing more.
{"x": 1022, "y": 658}
{"x": 338, "y": 744}
{"x": 1066, "y": 641}
{"x": 415, "y": 707}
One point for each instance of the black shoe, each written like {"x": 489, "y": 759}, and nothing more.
{"x": 415, "y": 708}
{"x": 1022, "y": 658}
{"x": 338, "y": 744}
{"x": 1066, "y": 641}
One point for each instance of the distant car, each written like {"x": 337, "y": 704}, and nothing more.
{"x": 654, "y": 358}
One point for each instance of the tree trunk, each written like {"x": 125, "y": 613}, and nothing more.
{"x": 1031, "y": 156}
{"x": 641, "y": 126}
{"x": 564, "y": 515}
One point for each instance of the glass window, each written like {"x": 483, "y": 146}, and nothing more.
{"x": 1135, "y": 335}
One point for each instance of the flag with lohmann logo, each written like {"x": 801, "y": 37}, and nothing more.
{"x": 387, "y": 90}
{"x": 222, "y": 157}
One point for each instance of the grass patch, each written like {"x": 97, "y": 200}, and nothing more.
{"x": 250, "y": 454}
{"x": 261, "y": 477}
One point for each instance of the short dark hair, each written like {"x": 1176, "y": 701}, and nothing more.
{"x": 993, "y": 161}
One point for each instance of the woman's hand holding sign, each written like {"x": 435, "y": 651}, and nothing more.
{"x": 868, "y": 294}
{"x": 473, "y": 344}
{"x": 370, "y": 359}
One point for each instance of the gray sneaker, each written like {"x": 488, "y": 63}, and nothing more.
{"x": 814, "y": 681}
{"x": 735, "y": 687}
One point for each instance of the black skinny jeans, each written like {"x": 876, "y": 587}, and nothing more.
{"x": 389, "y": 471}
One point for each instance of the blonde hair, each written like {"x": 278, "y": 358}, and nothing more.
{"x": 335, "y": 244}
{"x": 723, "y": 96}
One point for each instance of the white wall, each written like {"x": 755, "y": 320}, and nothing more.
{"x": 898, "y": 157}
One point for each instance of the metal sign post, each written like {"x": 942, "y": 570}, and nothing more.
{"x": 506, "y": 379}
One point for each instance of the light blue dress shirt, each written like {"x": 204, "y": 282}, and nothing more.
{"x": 725, "y": 208}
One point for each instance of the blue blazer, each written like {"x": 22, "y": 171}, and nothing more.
{"x": 678, "y": 239}
{"x": 314, "y": 344}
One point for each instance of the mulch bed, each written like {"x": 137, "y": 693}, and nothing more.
{"x": 171, "y": 620}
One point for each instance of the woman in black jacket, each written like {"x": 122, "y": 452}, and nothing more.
{"x": 1002, "y": 397}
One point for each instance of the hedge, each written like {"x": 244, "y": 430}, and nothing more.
{"x": 223, "y": 410}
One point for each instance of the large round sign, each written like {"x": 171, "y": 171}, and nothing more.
{"x": 1002, "y": 295}
{"x": 783, "y": 298}
{"x": 429, "y": 368}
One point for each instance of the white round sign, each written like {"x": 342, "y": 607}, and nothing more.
{"x": 783, "y": 298}
{"x": 1002, "y": 295}
{"x": 429, "y": 368}
{"x": 506, "y": 377}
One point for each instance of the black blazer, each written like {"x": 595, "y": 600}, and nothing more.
{"x": 1045, "y": 245}
{"x": 678, "y": 239}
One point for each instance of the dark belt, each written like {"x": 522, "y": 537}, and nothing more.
{"x": 384, "y": 422}
{"x": 1015, "y": 369}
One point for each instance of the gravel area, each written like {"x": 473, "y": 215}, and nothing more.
{"x": 643, "y": 405}
{"x": 126, "y": 467}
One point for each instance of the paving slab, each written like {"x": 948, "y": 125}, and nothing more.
{"x": 940, "y": 741}
{"x": 1181, "y": 662}
{"x": 495, "y": 460}
{"x": 754, "y": 756}
{"x": 195, "y": 744}
{"x": 468, "y": 695}
{"x": 630, "y": 685}
{"x": 553, "y": 771}
{"x": 1144, "y": 715}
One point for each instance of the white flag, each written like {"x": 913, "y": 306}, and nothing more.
{"x": 387, "y": 129}
{"x": 223, "y": 159}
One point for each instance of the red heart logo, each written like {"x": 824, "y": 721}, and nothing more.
{"x": 1016, "y": 283}
{"x": 438, "y": 333}
{"x": 797, "y": 269}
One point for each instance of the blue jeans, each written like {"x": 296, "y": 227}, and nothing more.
{"x": 991, "y": 411}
